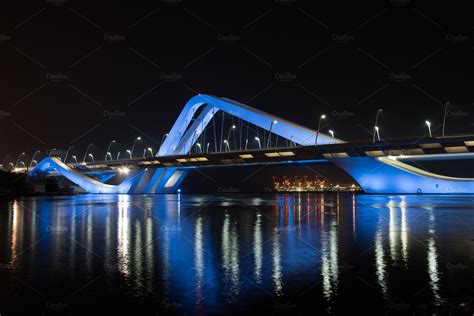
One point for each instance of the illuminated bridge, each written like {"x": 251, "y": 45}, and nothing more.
{"x": 381, "y": 167}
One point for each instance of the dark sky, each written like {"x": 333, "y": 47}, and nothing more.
{"x": 72, "y": 73}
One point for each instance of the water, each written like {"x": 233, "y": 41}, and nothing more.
{"x": 276, "y": 254}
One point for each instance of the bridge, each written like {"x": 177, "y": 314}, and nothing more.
{"x": 378, "y": 167}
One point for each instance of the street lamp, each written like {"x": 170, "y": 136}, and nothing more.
{"x": 3, "y": 162}
{"x": 378, "y": 133}
{"x": 92, "y": 157}
{"x": 130, "y": 153}
{"x": 108, "y": 154}
{"x": 67, "y": 153}
{"x": 246, "y": 143}
{"x": 33, "y": 158}
{"x": 87, "y": 150}
{"x": 51, "y": 151}
{"x": 150, "y": 150}
{"x": 258, "y": 140}
{"x": 163, "y": 138}
{"x": 228, "y": 134}
{"x": 322, "y": 117}
{"x": 75, "y": 158}
{"x": 270, "y": 132}
{"x": 445, "y": 115}
{"x": 428, "y": 123}
{"x": 133, "y": 146}
{"x": 332, "y": 133}
{"x": 18, "y": 160}
{"x": 375, "y": 125}
{"x": 226, "y": 145}
{"x": 198, "y": 145}
{"x": 207, "y": 147}
{"x": 108, "y": 150}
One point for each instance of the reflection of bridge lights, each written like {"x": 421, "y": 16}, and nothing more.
{"x": 124, "y": 170}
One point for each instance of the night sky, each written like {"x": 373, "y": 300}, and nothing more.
{"x": 72, "y": 73}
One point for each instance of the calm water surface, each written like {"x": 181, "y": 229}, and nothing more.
{"x": 277, "y": 254}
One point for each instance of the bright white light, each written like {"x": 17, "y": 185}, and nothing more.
{"x": 323, "y": 116}
{"x": 376, "y": 128}
{"x": 225, "y": 141}
{"x": 124, "y": 170}
{"x": 139, "y": 138}
{"x": 428, "y": 123}
{"x": 332, "y": 133}
{"x": 233, "y": 126}
{"x": 275, "y": 122}
{"x": 257, "y": 139}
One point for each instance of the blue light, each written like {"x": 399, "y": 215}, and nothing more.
{"x": 178, "y": 191}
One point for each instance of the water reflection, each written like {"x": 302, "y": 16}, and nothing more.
{"x": 212, "y": 251}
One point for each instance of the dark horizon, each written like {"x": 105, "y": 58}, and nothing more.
{"x": 73, "y": 74}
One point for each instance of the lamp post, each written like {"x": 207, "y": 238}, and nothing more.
{"x": 67, "y": 153}
{"x": 378, "y": 133}
{"x": 198, "y": 145}
{"x": 258, "y": 140}
{"x": 18, "y": 160}
{"x": 246, "y": 143}
{"x": 445, "y": 115}
{"x": 375, "y": 125}
{"x": 75, "y": 158}
{"x": 108, "y": 150}
{"x": 33, "y": 158}
{"x": 4, "y": 159}
{"x": 87, "y": 151}
{"x": 227, "y": 147}
{"x": 133, "y": 146}
{"x": 92, "y": 157}
{"x": 270, "y": 132}
{"x": 332, "y": 133}
{"x": 130, "y": 153}
{"x": 207, "y": 147}
{"x": 51, "y": 151}
{"x": 226, "y": 141}
{"x": 428, "y": 123}
{"x": 118, "y": 155}
{"x": 322, "y": 117}
{"x": 108, "y": 154}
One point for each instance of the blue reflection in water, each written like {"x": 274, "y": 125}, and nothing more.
{"x": 179, "y": 253}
